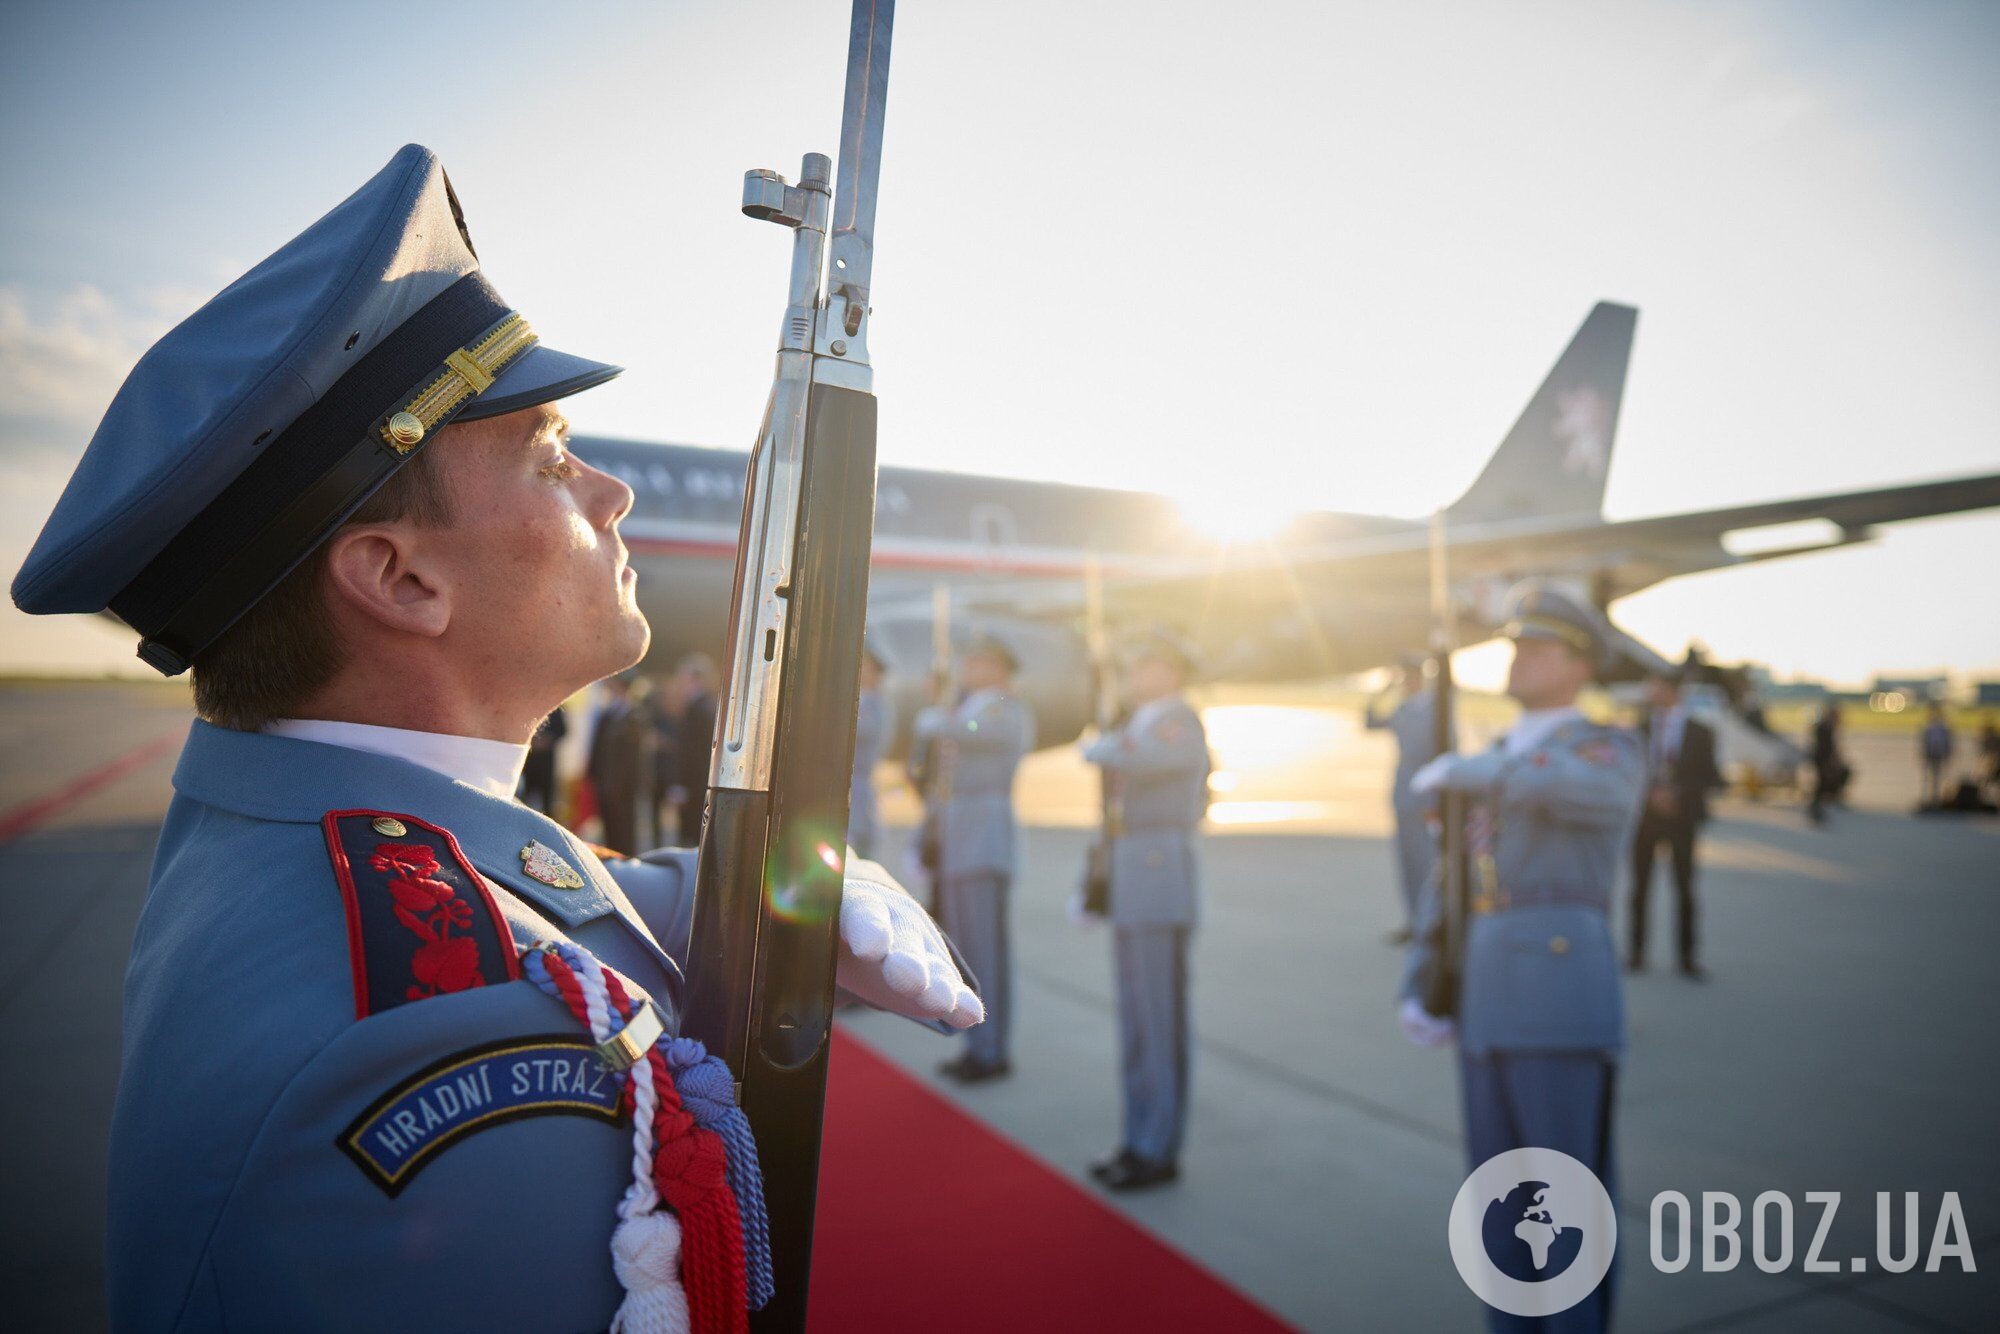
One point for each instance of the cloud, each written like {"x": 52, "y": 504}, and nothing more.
{"x": 62, "y": 358}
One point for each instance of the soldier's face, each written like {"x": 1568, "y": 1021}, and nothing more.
{"x": 1152, "y": 678}
{"x": 1546, "y": 673}
{"x": 982, "y": 671}
{"x": 542, "y": 594}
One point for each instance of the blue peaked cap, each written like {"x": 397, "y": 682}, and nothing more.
{"x": 250, "y": 431}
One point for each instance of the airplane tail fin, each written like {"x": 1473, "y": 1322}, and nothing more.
{"x": 1555, "y": 460}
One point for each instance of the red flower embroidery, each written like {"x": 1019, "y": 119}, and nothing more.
{"x": 429, "y": 908}
{"x": 449, "y": 964}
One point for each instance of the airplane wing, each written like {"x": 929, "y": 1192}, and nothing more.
{"x": 1381, "y": 574}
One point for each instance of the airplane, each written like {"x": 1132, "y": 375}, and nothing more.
{"x": 1328, "y": 594}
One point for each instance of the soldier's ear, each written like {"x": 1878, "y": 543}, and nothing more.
{"x": 372, "y": 573}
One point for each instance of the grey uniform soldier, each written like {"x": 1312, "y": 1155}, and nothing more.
{"x": 1156, "y": 787}
{"x": 874, "y": 722}
{"x": 1540, "y": 1022}
{"x": 977, "y": 747}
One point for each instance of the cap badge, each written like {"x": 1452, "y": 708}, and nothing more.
{"x": 388, "y": 826}
{"x": 544, "y": 864}
{"x": 405, "y": 429}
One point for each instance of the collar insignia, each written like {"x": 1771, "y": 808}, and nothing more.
{"x": 546, "y": 865}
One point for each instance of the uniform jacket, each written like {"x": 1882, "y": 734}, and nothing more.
{"x": 872, "y": 726}
{"x": 1156, "y": 784}
{"x": 1540, "y": 972}
{"x": 1692, "y": 772}
{"x": 317, "y": 1128}
{"x": 978, "y": 745}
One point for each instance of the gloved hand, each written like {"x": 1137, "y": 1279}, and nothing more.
{"x": 892, "y": 956}
{"x": 1459, "y": 773}
{"x": 1422, "y": 1027}
{"x": 1102, "y": 747}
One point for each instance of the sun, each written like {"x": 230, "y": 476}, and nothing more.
{"x": 1233, "y": 515}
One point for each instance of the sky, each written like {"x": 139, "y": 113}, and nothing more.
{"x": 1264, "y": 255}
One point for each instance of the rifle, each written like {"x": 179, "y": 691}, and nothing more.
{"x": 1439, "y": 985}
{"x": 1097, "y": 644}
{"x": 767, "y": 901}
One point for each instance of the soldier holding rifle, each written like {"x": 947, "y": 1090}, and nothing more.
{"x": 399, "y": 1051}
{"x": 1536, "y": 1006}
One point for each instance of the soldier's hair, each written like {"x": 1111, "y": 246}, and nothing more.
{"x": 283, "y": 650}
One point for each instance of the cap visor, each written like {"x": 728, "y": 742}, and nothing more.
{"x": 539, "y": 375}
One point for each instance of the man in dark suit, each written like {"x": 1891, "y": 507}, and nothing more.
{"x": 1681, "y": 771}
{"x": 694, "y": 740}
{"x": 621, "y": 764}
{"x": 538, "y": 772}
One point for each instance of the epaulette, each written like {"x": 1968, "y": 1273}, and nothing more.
{"x": 420, "y": 922}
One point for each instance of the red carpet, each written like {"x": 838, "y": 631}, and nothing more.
{"x": 930, "y": 1221}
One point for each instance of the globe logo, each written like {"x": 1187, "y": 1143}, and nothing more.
{"x": 1525, "y": 1239}
{"x": 1532, "y": 1231}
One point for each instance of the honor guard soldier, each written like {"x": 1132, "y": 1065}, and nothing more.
{"x": 1540, "y": 1021}
{"x": 976, "y": 748}
{"x": 1156, "y": 792}
{"x": 399, "y": 1052}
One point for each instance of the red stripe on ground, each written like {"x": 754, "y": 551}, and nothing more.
{"x": 28, "y": 815}
{"x": 928, "y": 1220}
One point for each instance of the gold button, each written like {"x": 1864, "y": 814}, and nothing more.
{"x": 1559, "y": 944}
{"x": 388, "y": 826}
{"x": 405, "y": 429}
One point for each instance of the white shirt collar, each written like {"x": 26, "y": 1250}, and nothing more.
{"x": 979, "y": 699}
{"x": 1535, "y": 726}
{"x": 494, "y": 767}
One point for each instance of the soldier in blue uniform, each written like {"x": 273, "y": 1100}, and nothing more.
{"x": 1413, "y": 722}
{"x": 976, "y": 747}
{"x": 1156, "y": 792}
{"x": 347, "y": 1099}
{"x": 1541, "y": 1011}
{"x": 874, "y": 724}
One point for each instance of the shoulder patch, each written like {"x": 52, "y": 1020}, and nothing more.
{"x": 1600, "y": 750}
{"x": 420, "y": 922}
{"x": 421, "y": 1117}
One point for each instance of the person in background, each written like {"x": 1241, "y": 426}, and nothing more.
{"x": 1934, "y": 746}
{"x": 694, "y": 741}
{"x": 1681, "y": 772}
{"x": 1989, "y": 756}
{"x": 1830, "y": 772}
{"x": 1156, "y": 791}
{"x": 538, "y": 773}
{"x": 621, "y": 764}
{"x": 874, "y": 724}
{"x": 1413, "y": 722}
{"x": 979, "y": 746}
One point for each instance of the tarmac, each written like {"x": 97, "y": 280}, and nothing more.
{"x": 1844, "y": 1043}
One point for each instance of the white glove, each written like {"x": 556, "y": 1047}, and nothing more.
{"x": 1102, "y": 747}
{"x": 1080, "y": 915}
{"x": 1459, "y": 773}
{"x": 892, "y": 956}
{"x": 1422, "y": 1027}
